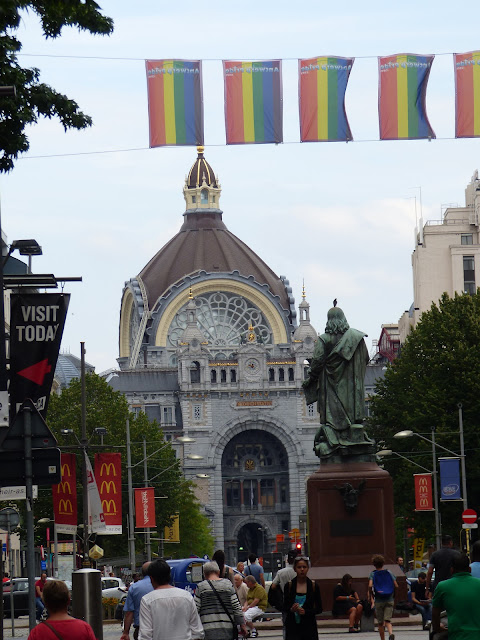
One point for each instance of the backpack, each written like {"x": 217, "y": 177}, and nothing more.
{"x": 383, "y": 583}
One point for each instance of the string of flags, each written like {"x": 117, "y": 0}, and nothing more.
{"x": 253, "y": 99}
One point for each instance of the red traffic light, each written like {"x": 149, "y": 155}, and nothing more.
{"x": 298, "y": 546}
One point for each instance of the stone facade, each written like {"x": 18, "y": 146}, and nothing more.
{"x": 211, "y": 348}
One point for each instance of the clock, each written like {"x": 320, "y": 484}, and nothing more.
{"x": 252, "y": 368}
{"x": 249, "y": 465}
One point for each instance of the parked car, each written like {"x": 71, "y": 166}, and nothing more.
{"x": 113, "y": 587}
{"x": 19, "y": 589}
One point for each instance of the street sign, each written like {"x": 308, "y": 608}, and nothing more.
{"x": 469, "y": 516}
{"x": 9, "y": 517}
{"x": 294, "y": 534}
{"x": 45, "y": 463}
{"x": 42, "y": 437}
{"x": 469, "y": 526}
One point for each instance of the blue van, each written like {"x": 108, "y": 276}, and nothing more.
{"x": 187, "y": 573}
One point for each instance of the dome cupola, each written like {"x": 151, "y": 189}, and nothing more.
{"x": 202, "y": 189}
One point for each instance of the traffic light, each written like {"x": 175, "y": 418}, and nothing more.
{"x": 298, "y": 547}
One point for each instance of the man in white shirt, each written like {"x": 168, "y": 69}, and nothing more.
{"x": 168, "y": 613}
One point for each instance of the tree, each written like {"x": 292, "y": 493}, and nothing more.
{"x": 438, "y": 368}
{"x": 109, "y": 408}
{"x": 33, "y": 98}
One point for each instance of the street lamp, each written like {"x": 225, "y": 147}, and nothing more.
{"x": 388, "y": 452}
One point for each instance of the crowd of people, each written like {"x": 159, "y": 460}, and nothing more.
{"x": 227, "y": 603}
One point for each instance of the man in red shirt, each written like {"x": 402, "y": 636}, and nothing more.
{"x": 39, "y": 595}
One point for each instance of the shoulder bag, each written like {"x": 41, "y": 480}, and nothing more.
{"x": 235, "y": 628}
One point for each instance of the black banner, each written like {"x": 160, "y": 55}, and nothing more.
{"x": 36, "y": 327}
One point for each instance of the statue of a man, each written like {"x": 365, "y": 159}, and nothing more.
{"x": 336, "y": 381}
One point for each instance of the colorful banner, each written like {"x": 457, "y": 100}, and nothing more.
{"x": 36, "y": 327}
{"x": 64, "y": 496}
{"x": 403, "y": 80}
{"x": 418, "y": 550}
{"x": 423, "y": 491}
{"x": 467, "y": 94}
{"x": 450, "y": 479}
{"x": 175, "y": 102}
{"x": 108, "y": 472}
{"x": 172, "y": 534}
{"x": 253, "y": 101}
{"x": 96, "y": 519}
{"x": 322, "y": 85}
{"x": 144, "y": 508}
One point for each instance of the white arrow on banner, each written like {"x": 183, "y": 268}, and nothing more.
{"x": 96, "y": 519}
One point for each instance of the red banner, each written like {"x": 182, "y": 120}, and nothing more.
{"x": 65, "y": 496}
{"x": 144, "y": 508}
{"x": 108, "y": 474}
{"x": 423, "y": 491}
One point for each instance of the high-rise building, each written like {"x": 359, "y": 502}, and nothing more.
{"x": 446, "y": 257}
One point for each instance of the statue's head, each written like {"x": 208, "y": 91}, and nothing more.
{"x": 336, "y": 321}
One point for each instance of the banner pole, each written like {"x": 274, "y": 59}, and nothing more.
{"x": 131, "y": 524}
{"x": 438, "y": 534}
{"x": 148, "y": 543}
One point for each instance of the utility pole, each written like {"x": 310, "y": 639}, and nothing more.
{"x": 148, "y": 543}
{"x": 84, "y": 444}
{"x": 131, "y": 531}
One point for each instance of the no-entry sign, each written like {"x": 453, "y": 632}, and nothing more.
{"x": 469, "y": 516}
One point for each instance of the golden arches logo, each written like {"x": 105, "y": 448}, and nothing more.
{"x": 65, "y": 507}
{"x": 424, "y": 502}
{"x": 106, "y": 486}
{"x": 66, "y": 471}
{"x": 109, "y": 506}
{"x": 64, "y": 488}
{"x": 423, "y": 482}
{"x": 108, "y": 467}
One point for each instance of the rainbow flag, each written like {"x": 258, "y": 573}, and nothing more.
{"x": 175, "y": 102}
{"x": 467, "y": 94}
{"x": 322, "y": 86}
{"x": 403, "y": 82}
{"x": 253, "y": 101}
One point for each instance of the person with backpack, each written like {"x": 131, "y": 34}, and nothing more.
{"x": 381, "y": 591}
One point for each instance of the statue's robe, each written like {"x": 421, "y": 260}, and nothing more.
{"x": 336, "y": 382}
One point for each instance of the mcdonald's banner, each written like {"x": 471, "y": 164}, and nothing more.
{"x": 322, "y": 86}
{"x": 145, "y": 508}
{"x": 403, "y": 80}
{"x": 423, "y": 492}
{"x": 64, "y": 496}
{"x": 253, "y": 101}
{"x": 175, "y": 102}
{"x": 418, "y": 548}
{"x": 172, "y": 534}
{"x": 108, "y": 472}
{"x": 450, "y": 479}
{"x": 96, "y": 519}
{"x": 467, "y": 94}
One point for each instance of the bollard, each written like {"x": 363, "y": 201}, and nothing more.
{"x": 87, "y": 599}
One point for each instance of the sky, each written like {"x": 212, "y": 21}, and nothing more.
{"x": 340, "y": 217}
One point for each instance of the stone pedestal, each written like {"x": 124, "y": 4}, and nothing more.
{"x": 342, "y": 541}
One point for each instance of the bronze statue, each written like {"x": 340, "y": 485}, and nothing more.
{"x": 336, "y": 382}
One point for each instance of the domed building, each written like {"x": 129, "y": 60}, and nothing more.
{"x": 211, "y": 348}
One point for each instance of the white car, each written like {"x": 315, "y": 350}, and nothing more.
{"x": 113, "y": 588}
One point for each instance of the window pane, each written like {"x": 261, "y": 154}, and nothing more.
{"x": 467, "y": 239}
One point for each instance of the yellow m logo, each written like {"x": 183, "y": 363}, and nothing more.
{"x": 64, "y": 487}
{"x": 108, "y": 467}
{"x": 107, "y": 486}
{"x": 109, "y": 507}
{"x": 65, "y": 507}
{"x": 66, "y": 470}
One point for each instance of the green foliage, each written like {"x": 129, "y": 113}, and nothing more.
{"x": 109, "y": 408}
{"x": 439, "y": 367}
{"x": 35, "y": 99}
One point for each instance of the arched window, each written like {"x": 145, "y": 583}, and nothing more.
{"x": 204, "y": 196}
{"x": 271, "y": 375}
{"x": 290, "y": 374}
{"x": 281, "y": 374}
{"x": 213, "y": 376}
{"x": 223, "y": 375}
{"x": 233, "y": 375}
{"x": 195, "y": 372}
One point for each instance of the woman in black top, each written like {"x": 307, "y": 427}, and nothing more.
{"x": 301, "y": 602}
{"x": 346, "y": 601}
{"x": 225, "y": 571}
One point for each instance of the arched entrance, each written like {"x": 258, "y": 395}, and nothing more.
{"x": 256, "y": 501}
